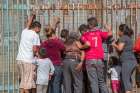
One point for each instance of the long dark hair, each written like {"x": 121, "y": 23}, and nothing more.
{"x": 126, "y": 30}
{"x": 64, "y": 33}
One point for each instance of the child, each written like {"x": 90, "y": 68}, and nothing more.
{"x": 45, "y": 70}
{"x": 115, "y": 72}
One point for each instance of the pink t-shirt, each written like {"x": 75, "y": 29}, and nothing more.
{"x": 95, "y": 39}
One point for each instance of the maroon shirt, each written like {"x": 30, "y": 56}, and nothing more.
{"x": 55, "y": 48}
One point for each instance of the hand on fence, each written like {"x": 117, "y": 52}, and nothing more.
{"x": 108, "y": 27}
{"x": 57, "y": 20}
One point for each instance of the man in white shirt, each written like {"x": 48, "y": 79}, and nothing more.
{"x": 27, "y": 49}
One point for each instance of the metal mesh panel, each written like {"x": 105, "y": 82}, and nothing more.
{"x": 14, "y": 13}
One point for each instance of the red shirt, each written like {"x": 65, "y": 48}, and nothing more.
{"x": 54, "y": 48}
{"x": 95, "y": 39}
{"x": 137, "y": 45}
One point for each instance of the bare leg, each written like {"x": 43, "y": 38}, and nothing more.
{"x": 27, "y": 91}
{"x": 39, "y": 88}
{"x": 115, "y": 92}
{"x": 21, "y": 90}
{"x": 128, "y": 92}
{"x": 45, "y": 87}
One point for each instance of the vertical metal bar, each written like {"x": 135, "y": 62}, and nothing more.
{"x": 126, "y": 3}
{"x": 49, "y": 17}
{"x": 136, "y": 20}
{"x": 3, "y": 64}
{"x": 102, "y": 11}
{"x": 12, "y": 50}
{"x": 106, "y": 11}
{"x": 63, "y": 19}
{"x": 5, "y": 45}
{"x": 18, "y": 30}
{"x": 7, "y": 24}
{"x": 59, "y": 28}
{"x": 116, "y": 19}
{"x": 87, "y": 11}
{"x": 131, "y": 15}
{"x": 73, "y": 17}
{"x": 83, "y": 13}
{"x": 112, "y": 16}
{"x": 28, "y": 10}
{"x": 23, "y": 15}
{"x": 94, "y": 9}
{"x": 78, "y": 16}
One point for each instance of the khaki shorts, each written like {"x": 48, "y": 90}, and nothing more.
{"x": 26, "y": 72}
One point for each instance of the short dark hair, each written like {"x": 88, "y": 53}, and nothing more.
{"x": 42, "y": 52}
{"x": 83, "y": 27}
{"x": 35, "y": 24}
{"x": 126, "y": 30}
{"x": 92, "y": 21}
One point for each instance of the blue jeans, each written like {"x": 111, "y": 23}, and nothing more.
{"x": 95, "y": 72}
{"x": 56, "y": 81}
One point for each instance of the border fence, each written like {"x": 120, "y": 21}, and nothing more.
{"x": 14, "y": 14}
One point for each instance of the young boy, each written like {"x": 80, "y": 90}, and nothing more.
{"x": 45, "y": 70}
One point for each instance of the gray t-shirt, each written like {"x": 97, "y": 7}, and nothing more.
{"x": 44, "y": 69}
{"x": 127, "y": 53}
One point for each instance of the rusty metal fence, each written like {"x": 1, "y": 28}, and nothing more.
{"x": 14, "y": 13}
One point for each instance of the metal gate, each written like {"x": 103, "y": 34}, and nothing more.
{"x": 13, "y": 16}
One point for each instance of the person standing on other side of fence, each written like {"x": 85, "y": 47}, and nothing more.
{"x": 127, "y": 58}
{"x": 27, "y": 49}
{"x": 94, "y": 55}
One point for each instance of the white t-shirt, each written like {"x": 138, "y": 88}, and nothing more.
{"x": 44, "y": 68}
{"x": 29, "y": 38}
{"x": 115, "y": 73}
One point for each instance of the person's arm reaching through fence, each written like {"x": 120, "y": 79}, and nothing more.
{"x": 30, "y": 20}
{"x": 56, "y": 22}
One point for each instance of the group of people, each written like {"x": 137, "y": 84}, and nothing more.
{"x": 57, "y": 63}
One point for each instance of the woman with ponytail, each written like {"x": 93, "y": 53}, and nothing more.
{"x": 127, "y": 58}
